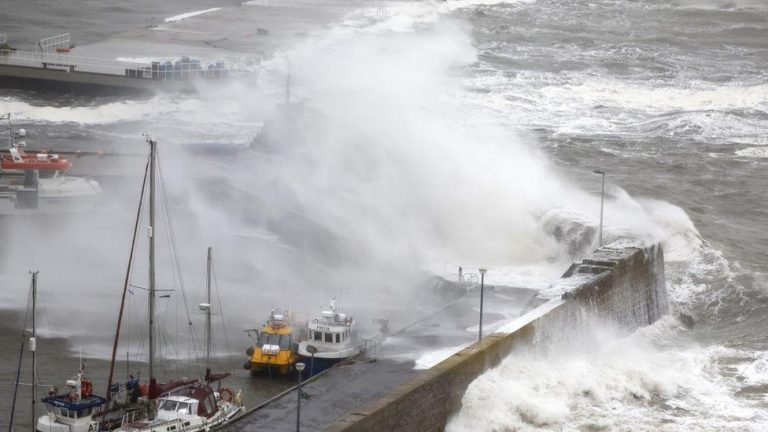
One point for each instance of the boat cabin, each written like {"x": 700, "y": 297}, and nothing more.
{"x": 195, "y": 400}
{"x": 332, "y": 330}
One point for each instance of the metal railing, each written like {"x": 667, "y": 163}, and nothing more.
{"x": 3, "y": 38}
{"x": 168, "y": 70}
{"x": 50, "y": 44}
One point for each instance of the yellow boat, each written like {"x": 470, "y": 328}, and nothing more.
{"x": 274, "y": 351}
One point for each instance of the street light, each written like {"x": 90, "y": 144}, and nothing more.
{"x": 482, "y": 288}
{"x": 602, "y": 198}
{"x": 299, "y": 367}
{"x": 312, "y": 350}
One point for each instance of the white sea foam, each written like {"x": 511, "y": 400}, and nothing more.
{"x": 186, "y": 15}
{"x": 630, "y": 385}
{"x": 428, "y": 359}
{"x": 753, "y": 152}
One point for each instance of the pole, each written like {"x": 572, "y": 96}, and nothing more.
{"x": 16, "y": 387}
{"x": 125, "y": 288}
{"x": 298, "y": 407}
{"x": 602, "y": 199}
{"x": 208, "y": 313}
{"x": 33, "y": 348}
{"x": 482, "y": 289}
{"x": 151, "y": 302}
{"x": 288, "y": 86}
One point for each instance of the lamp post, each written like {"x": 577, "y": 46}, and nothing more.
{"x": 312, "y": 350}
{"x": 482, "y": 288}
{"x": 299, "y": 367}
{"x": 602, "y": 199}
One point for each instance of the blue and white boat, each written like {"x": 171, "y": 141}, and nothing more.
{"x": 72, "y": 410}
{"x": 330, "y": 339}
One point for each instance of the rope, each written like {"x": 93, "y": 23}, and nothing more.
{"x": 175, "y": 255}
{"x": 125, "y": 285}
{"x": 18, "y": 367}
{"x": 221, "y": 313}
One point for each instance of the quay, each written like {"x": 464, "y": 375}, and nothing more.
{"x": 50, "y": 70}
{"x": 623, "y": 284}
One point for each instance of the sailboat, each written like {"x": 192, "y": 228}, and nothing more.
{"x": 70, "y": 411}
{"x": 188, "y": 405}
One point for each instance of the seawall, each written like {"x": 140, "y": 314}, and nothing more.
{"x": 620, "y": 284}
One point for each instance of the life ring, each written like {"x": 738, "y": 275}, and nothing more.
{"x": 227, "y": 394}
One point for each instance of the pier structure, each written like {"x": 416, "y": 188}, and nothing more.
{"x": 622, "y": 285}
{"x": 64, "y": 70}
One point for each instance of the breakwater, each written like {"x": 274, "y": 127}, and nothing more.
{"x": 622, "y": 285}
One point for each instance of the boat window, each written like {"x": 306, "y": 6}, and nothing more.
{"x": 184, "y": 408}
{"x": 72, "y": 414}
{"x": 209, "y": 406}
{"x": 329, "y": 337}
{"x": 84, "y": 412}
{"x": 285, "y": 341}
{"x": 168, "y": 405}
{"x": 338, "y": 337}
{"x": 318, "y": 336}
{"x": 263, "y": 339}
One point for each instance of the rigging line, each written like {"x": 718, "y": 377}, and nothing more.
{"x": 174, "y": 252}
{"x": 125, "y": 285}
{"x": 221, "y": 312}
{"x": 18, "y": 368}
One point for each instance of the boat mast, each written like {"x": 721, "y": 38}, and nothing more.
{"x": 151, "y": 316}
{"x": 33, "y": 347}
{"x": 208, "y": 313}
{"x": 10, "y": 132}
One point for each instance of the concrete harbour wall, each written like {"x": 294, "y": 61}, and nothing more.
{"x": 619, "y": 284}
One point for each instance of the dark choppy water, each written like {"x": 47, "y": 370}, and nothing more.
{"x": 419, "y": 114}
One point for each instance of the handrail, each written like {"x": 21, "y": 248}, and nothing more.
{"x": 135, "y": 69}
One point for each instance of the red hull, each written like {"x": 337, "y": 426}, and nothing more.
{"x": 31, "y": 162}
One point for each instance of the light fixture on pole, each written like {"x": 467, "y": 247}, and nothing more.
{"x": 602, "y": 199}
{"x": 482, "y": 289}
{"x": 299, "y": 368}
{"x": 312, "y": 350}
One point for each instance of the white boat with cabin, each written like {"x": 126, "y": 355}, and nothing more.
{"x": 330, "y": 338}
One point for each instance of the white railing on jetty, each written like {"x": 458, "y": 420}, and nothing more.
{"x": 3, "y": 38}
{"x": 50, "y": 44}
{"x": 178, "y": 70}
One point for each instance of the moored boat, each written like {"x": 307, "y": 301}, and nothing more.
{"x": 37, "y": 183}
{"x": 181, "y": 404}
{"x": 330, "y": 339}
{"x": 73, "y": 410}
{"x": 274, "y": 349}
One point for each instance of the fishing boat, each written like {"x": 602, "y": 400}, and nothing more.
{"x": 70, "y": 411}
{"x": 74, "y": 409}
{"x": 179, "y": 405}
{"x": 38, "y": 182}
{"x": 274, "y": 348}
{"x": 329, "y": 339}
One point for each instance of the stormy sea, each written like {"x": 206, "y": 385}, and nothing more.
{"x": 417, "y": 134}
